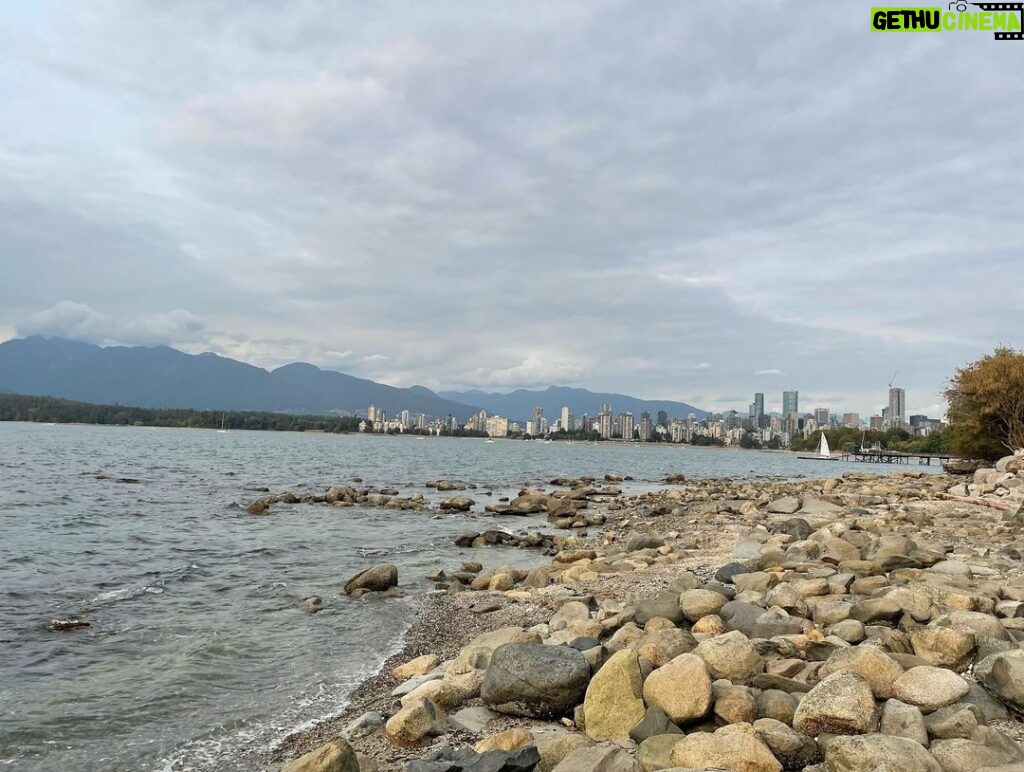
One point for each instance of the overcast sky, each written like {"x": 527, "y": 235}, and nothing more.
{"x": 690, "y": 201}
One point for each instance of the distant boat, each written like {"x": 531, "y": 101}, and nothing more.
{"x": 222, "y": 429}
{"x": 824, "y": 452}
{"x": 490, "y": 440}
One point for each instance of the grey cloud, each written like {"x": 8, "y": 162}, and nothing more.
{"x": 603, "y": 194}
{"x": 79, "y": 321}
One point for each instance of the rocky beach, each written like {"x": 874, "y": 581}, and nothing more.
{"x": 860, "y": 622}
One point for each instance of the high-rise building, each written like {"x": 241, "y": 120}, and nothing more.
{"x": 497, "y": 426}
{"x": 821, "y": 416}
{"x": 790, "y": 404}
{"x": 877, "y": 422}
{"x": 371, "y": 413}
{"x": 626, "y": 425}
{"x": 646, "y": 426}
{"x": 851, "y": 420}
{"x": 405, "y": 419}
{"x": 605, "y": 422}
{"x": 478, "y": 422}
{"x": 897, "y": 408}
{"x": 758, "y": 405}
{"x": 566, "y": 419}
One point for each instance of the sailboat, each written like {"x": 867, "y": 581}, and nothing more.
{"x": 222, "y": 429}
{"x": 824, "y": 452}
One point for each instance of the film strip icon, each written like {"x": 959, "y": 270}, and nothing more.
{"x": 1018, "y": 7}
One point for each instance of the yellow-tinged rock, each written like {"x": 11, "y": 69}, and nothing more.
{"x": 682, "y": 689}
{"x": 737, "y": 751}
{"x": 416, "y": 667}
{"x": 508, "y": 740}
{"x": 337, "y": 756}
{"x": 613, "y": 704}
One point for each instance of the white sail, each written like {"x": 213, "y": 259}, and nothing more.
{"x": 823, "y": 449}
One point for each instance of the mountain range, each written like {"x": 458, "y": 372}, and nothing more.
{"x": 519, "y": 404}
{"x": 161, "y": 376}
{"x": 165, "y": 377}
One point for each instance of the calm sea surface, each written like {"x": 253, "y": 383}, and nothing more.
{"x": 199, "y": 651}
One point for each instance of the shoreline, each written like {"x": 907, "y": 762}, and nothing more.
{"x": 703, "y": 525}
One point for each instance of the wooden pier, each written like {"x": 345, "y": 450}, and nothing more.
{"x": 877, "y": 456}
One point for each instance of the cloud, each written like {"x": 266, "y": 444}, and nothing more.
{"x": 472, "y": 195}
{"x": 79, "y": 321}
{"x": 532, "y": 371}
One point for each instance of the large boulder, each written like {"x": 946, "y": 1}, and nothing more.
{"x": 661, "y": 646}
{"x": 842, "y": 703}
{"x": 509, "y": 740}
{"x": 730, "y": 656}
{"x": 457, "y": 504}
{"x": 614, "y": 704}
{"x": 734, "y": 704}
{"x": 930, "y": 688}
{"x": 700, "y": 603}
{"x": 465, "y": 674}
{"x": 1006, "y": 680}
{"x": 793, "y": 749}
{"x": 654, "y": 722}
{"x": 374, "y": 579}
{"x": 529, "y": 503}
{"x": 682, "y": 689}
{"x": 796, "y": 527}
{"x": 902, "y": 720}
{"x": 949, "y": 647}
{"x": 656, "y": 751}
{"x": 416, "y": 667}
{"x": 666, "y": 606}
{"x": 555, "y": 746}
{"x": 959, "y": 755}
{"x": 786, "y": 505}
{"x": 416, "y": 723}
{"x": 877, "y": 753}
{"x": 877, "y": 667}
{"x": 729, "y": 748}
{"x": 598, "y": 758}
{"x": 336, "y": 756}
{"x": 535, "y": 680}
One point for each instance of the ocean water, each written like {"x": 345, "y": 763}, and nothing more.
{"x": 199, "y": 651}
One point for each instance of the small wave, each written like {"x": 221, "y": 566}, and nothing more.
{"x": 368, "y": 552}
{"x": 127, "y": 593}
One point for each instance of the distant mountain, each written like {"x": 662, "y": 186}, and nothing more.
{"x": 519, "y": 404}
{"x": 165, "y": 377}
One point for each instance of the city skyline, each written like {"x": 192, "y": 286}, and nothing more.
{"x": 728, "y": 427}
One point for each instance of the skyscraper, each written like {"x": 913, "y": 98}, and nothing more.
{"x": 821, "y": 416}
{"x": 758, "y": 404}
{"x": 790, "y": 403}
{"x": 566, "y": 420}
{"x": 646, "y": 426}
{"x": 605, "y": 421}
{"x": 897, "y": 408}
{"x": 626, "y": 425}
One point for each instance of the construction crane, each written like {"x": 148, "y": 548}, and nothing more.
{"x": 893, "y": 378}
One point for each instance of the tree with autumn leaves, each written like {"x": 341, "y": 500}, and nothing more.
{"x": 986, "y": 406}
